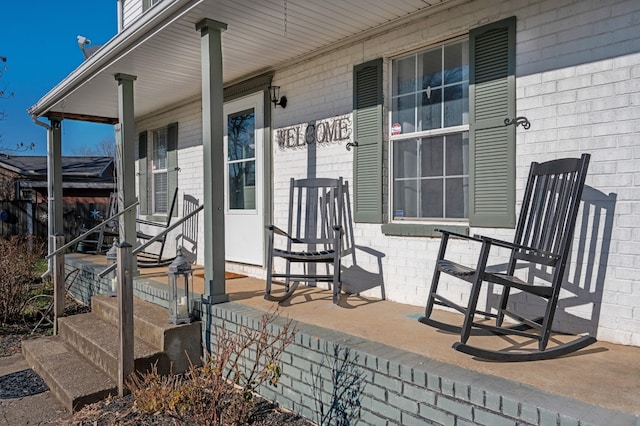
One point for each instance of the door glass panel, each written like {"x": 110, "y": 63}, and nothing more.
{"x": 241, "y": 135}
{"x": 241, "y": 160}
{"x": 242, "y": 185}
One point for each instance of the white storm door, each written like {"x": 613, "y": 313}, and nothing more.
{"x": 243, "y": 182}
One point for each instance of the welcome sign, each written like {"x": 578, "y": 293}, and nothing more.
{"x": 324, "y": 131}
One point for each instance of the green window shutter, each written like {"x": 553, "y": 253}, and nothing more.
{"x": 172, "y": 162}
{"x": 143, "y": 166}
{"x": 367, "y": 123}
{"x": 492, "y": 99}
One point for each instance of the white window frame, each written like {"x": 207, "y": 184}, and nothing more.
{"x": 148, "y": 4}
{"x": 418, "y": 135}
{"x": 153, "y": 171}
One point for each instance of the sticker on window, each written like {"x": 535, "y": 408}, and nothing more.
{"x": 398, "y": 213}
{"x": 396, "y": 129}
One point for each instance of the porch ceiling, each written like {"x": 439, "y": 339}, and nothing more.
{"x": 162, "y": 48}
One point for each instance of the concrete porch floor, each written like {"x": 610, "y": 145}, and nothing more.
{"x": 602, "y": 374}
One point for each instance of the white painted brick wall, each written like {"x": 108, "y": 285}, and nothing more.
{"x": 578, "y": 81}
{"x": 592, "y": 64}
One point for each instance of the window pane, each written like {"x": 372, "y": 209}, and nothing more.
{"x": 431, "y": 157}
{"x": 456, "y": 105}
{"x": 241, "y": 135}
{"x": 404, "y": 109}
{"x": 431, "y": 68}
{"x": 456, "y": 63}
{"x": 457, "y": 154}
{"x": 160, "y": 184}
{"x": 242, "y": 186}
{"x": 431, "y": 198}
{"x": 159, "y": 155}
{"x": 405, "y": 158}
{"x": 431, "y": 109}
{"x": 457, "y": 196}
{"x": 404, "y": 71}
{"x": 405, "y": 194}
{"x": 430, "y": 175}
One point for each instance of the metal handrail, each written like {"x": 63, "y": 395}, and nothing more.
{"x": 152, "y": 240}
{"x": 92, "y": 230}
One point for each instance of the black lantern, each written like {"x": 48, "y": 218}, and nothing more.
{"x": 180, "y": 278}
{"x": 274, "y": 92}
{"x": 112, "y": 278}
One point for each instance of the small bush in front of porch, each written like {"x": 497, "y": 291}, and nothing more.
{"x": 17, "y": 274}
{"x": 222, "y": 390}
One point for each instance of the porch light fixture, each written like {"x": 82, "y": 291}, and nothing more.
{"x": 112, "y": 278}
{"x": 180, "y": 279}
{"x": 274, "y": 92}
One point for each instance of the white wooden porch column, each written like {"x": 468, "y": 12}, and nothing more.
{"x": 54, "y": 180}
{"x": 213, "y": 158}
{"x": 126, "y": 158}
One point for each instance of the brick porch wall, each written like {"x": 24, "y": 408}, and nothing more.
{"x": 402, "y": 388}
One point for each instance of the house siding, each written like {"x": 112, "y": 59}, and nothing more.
{"x": 131, "y": 11}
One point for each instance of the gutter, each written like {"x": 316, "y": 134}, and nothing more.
{"x": 39, "y": 123}
{"x": 138, "y": 32}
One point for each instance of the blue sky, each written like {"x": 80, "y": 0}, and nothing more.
{"x": 38, "y": 38}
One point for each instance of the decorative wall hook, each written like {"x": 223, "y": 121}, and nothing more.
{"x": 518, "y": 121}
{"x": 351, "y": 144}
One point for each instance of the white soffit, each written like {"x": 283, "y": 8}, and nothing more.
{"x": 261, "y": 36}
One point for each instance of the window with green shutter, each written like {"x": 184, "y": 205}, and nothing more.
{"x": 452, "y": 157}
{"x": 158, "y": 169}
{"x": 367, "y": 163}
{"x": 492, "y": 147}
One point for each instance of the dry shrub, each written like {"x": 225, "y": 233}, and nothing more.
{"x": 17, "y": 264}
{"x": 221, "y": 391}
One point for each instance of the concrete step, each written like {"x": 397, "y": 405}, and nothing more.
{"x": 99, "y": 342}
{"x": 72, "y": 378}
{"x": 180, "y": 343}
{"x": 80, "y": 364}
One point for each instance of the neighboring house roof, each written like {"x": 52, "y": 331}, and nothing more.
{"x": 77, "y": 172}
{"x": 73, "y": 168}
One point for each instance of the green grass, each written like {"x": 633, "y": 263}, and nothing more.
{"x": 41, "y": 266}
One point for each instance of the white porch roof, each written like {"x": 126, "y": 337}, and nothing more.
{"x": 162, "y": 48}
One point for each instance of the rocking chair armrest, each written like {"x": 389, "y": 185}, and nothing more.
{"x": 275, "y": 229}
{"x": 457, "y": 235}
{"x": 514, "y": 246}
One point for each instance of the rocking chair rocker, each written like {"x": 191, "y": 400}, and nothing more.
{"x": 313, "y": 237}
{"x": 542, "y": 241}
